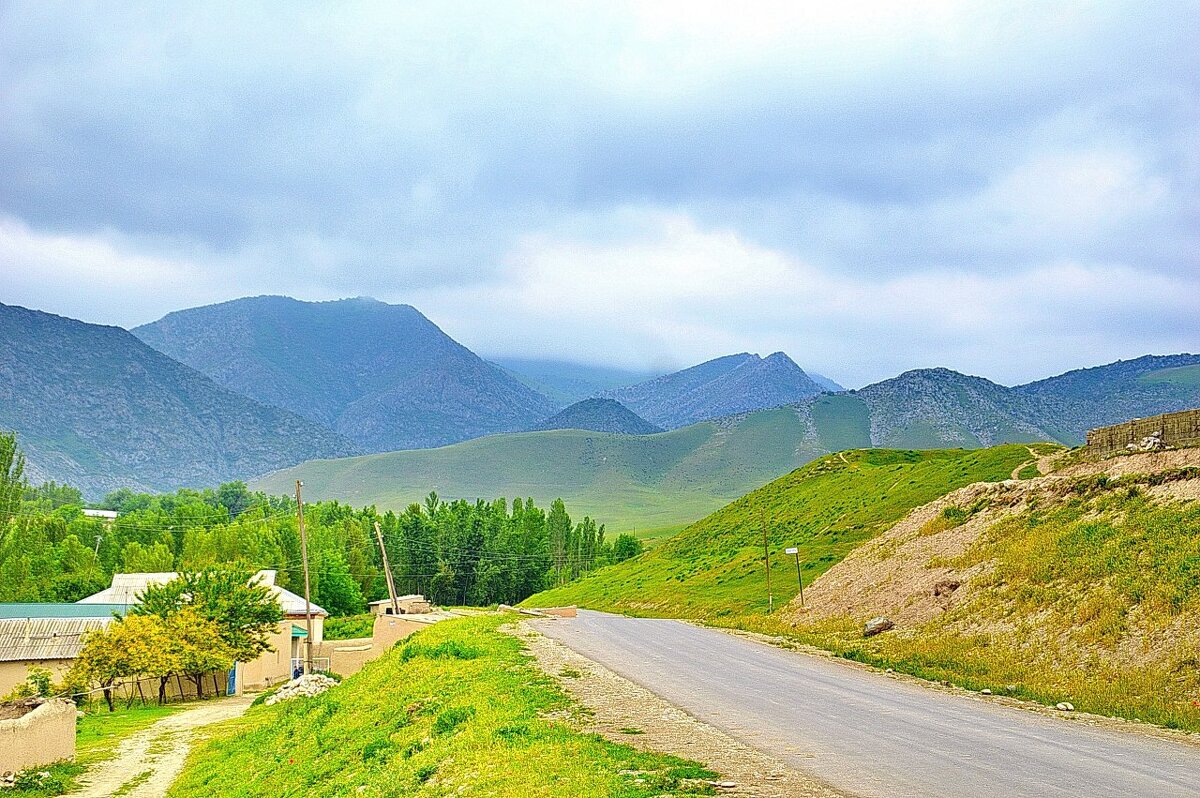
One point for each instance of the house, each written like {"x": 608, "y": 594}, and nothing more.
{"x": 108, "y": 516}
{"x": 287, "y": 642}
{"x": 413, "y": 603}
{"x": 45, "y": 636}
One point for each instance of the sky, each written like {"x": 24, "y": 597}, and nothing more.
{"x": 1009, "y": 189}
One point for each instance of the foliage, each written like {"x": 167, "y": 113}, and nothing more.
{"x": 457, "y": 552}
{"x": 132, "y": 647}
{"x": 243, "y": 614}
{"x": 714, "y": 569}
{"x": 349, "y": 627}
{"x": 12, "y": 476}
{"x": 38, "y": 682}
{"x": 490, "y": 724}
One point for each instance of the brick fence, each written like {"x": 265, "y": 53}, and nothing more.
{"x": 1174, "y": 429}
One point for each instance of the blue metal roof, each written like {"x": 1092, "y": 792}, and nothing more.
{"x": 56, "y": 610}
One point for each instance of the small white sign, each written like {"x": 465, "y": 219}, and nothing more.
{"x": 792, "y": 550}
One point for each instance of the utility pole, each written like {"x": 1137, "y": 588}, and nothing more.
{"x": 307, "y": 600}
{"x": 97, "y": 552}
{"x": 767, "y": 559}
{"x": 796, "y": 551}
{"x": 387, "y": 570}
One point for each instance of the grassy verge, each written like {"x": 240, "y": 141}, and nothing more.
{"x": 456, "y": 709}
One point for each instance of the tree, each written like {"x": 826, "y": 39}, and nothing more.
{"x": 245, "y": 613}
{"x": 625, "y": 547}
{"x": 194, "y": 649}
{"x": 129, "y": 647}
{"x": 12, "y": 476}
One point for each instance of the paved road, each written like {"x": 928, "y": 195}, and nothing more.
{"x": 873, "y": 736}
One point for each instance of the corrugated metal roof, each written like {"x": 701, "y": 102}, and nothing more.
{"x": 51, "y": 610}
{"x": 126, "y": 588}
{"x": 45, "y": 638}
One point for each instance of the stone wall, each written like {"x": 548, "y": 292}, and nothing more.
{"x": 1173, "y": 429}
{"x": 38, "y": 737}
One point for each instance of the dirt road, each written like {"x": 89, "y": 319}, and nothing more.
{"x": 147, "y": 763}
{"x": 871, "y": 735}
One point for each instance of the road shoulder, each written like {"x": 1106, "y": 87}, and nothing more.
{"x": 624, "y": 712}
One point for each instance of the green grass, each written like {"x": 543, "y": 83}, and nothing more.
{"x": 713, "y": 570}
{"x": 1181, "y": 376}
{"x": 457, "y": 709}
{"x": 629, "y": 483}
{"x": 1093, "y": 598}
{"x": 349, "y": 626}
{"x": 842, "y": 421}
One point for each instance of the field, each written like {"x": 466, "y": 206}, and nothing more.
{"x": 457, "y": 709}
{"x": 713, "y": 569}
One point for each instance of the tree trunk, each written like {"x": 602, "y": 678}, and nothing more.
{"x": 108, "y": 696}
{"x": 162, "y": 689}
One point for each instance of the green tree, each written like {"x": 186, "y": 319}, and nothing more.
{"x": 625, "y": 547}
{"x": 12, "y": 476}
{"x": 245, "y": 613}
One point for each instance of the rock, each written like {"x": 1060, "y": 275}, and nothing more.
{"x": 946, "y": 586}
{"x": 877, "y": 625}
{"x": 889, "y": 670}
{"x": 985, "y": 691}
{"x": 308, "y": 685}
{"x": 1065, "y": 706}
{"x": 1010, "y": 688}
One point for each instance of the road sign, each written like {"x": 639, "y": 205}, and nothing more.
{"x": 792, "y": 550}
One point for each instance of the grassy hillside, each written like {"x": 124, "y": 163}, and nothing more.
{"x": 626, "y": 482}
{"x": 1080, "y": 588}
{"x": 454, "y": 710}
{"x": 714, "y": 568}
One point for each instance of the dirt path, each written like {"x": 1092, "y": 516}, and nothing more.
{"x": 146, "y": 764}
{"x": 626, "y": 713}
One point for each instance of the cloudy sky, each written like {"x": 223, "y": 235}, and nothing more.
{"x": 1009, "y": 189}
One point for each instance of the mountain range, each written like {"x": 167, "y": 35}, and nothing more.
{"x": 381, "y": 375}
{"x": 237, "y": 389}
{"x": 97, "y": 408}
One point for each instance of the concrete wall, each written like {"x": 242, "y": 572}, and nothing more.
{"x": 14, "y": 672}
{"x": 1177, "y": 429}
{"x": 37, "y": 738}
{"x": 347, "y": 657}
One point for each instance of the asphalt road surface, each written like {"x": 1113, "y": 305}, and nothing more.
{"x": 870, "y": 735}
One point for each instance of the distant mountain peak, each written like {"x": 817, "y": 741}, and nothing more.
{"x": 383, "y": 375}
{"x": 599, "y": 415}
{"x": 720, "y": 387}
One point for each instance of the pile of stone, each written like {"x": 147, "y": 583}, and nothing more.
{"x": 1151, "y": 443}
{"x": 309, "y": 685}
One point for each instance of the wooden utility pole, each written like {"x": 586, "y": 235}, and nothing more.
{"x": 767, "y": 560}
{"x": 800, "y": 579}
{"x": 387, "y": 570}
{"x": 308, "y": 661}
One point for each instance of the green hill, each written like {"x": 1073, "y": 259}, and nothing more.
{"x": 600, "y": 415}
{"x": 626, "y": 482}
{"x": 714, "y": 567}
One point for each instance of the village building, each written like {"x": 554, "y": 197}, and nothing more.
{"x": 45, "y": 636}
{"x": 412, "y": 604}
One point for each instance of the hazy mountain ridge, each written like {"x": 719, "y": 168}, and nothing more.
{"x": 566, "y": 382}
{"x": 382, "y": 375}
{"x": 721, "y": 387}
{"x": 95, "y": 407}
{"x": 1084, "y": 399}
{"x": 936, "y": 408}
{"x": 599, "y": 415}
